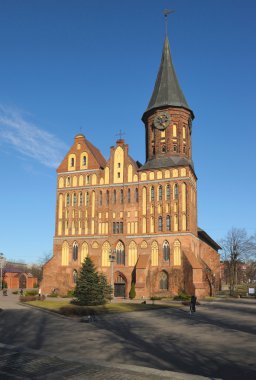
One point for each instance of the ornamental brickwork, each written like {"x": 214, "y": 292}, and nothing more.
{"x": 143, "y": 215}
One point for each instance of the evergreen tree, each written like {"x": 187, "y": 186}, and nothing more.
{"x": 132, "y": 293}
{"x": 91, "y": 288}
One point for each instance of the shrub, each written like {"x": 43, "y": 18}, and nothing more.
{"x": 155, "y": 298}
{"x": 181, "y": 297}
{"x": 31, "y": 293}
{"x": 31, "y": 298}
{"x": 132, "y": 293}
{"x": 54, "y": 295}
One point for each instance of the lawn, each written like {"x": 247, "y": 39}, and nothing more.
{"x": 66, "y": 308}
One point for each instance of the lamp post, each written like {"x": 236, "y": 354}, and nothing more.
{"x": 2, "y": 262}
{"x": 112, "y": 259}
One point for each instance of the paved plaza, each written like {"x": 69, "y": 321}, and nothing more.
{"x": 217, "y": 342}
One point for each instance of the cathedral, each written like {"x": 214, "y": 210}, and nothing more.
{"x": 138, "y": 223}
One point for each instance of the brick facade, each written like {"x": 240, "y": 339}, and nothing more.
{"x": 146, "y": 216}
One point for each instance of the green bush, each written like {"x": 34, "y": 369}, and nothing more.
{"x": 53, "y": 295}
{"x": 31, "y": 293}
{"x": 155, "y": 298}
{"x": 182, "y": 297}
{"x": 35, "y": 286}
{"x": 69, "y": 294}
{"x": 132, "y": 293}
{"x": 31, "y": 298}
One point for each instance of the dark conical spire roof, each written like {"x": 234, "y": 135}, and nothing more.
{"x": 167, "y": 91}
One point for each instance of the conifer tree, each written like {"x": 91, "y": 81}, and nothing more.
{"x": 91, "y": 288}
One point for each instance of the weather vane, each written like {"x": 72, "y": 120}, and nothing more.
{"x": 120, "y": 134}
{"x": 166, "y": 13}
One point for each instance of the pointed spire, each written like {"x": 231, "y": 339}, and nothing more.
{"x": 167, "y": 91}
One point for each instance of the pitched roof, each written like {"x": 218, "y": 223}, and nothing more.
{"x": 166, "y": 162}
{"x": 167, "y": 91}
{"x": 207, "y": 239}
{"x": 97, "y": 154}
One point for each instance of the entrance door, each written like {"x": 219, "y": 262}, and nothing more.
{"x": 119, "y": 286}
{"x": 119, "y": 290}
{"x": 22, "y": 281}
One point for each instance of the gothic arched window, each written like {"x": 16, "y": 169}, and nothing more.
{"x": 160, "y": 223}
{"x": 152, "y": 193}
{"x": 80, "y": 199}
{"x": 160, "y": 193}
{"x": 120, "y": 254}
{"x": 166, "y": 251}
{"x": 129, "y": 195}
{"x": 68, "y": 199}
{"x": 75, "y": 276}
{"x": 168, "y": 223}
{"x": 176, "y": 191}
{"x": 163, "y": 283}
{"x": 75, "y": 251}
{"x": 167, "y": 192}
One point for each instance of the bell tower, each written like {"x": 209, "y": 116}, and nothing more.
{"x": 168, "y": 120}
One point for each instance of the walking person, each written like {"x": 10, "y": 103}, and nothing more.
{"x": 193, "y": 304}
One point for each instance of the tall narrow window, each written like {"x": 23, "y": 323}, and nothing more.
{"x": 75, "y": 251}
{"x": 80, "y": 199}
{"x": 114, "y": 227}
{"x": 166, "y": 251}
{"x": 160, "y": 193}
{"x": 168, "y": 223}
{"x": 120, "y": 254}
{"x": 74, "y": 199}
{"x": 176, "y": 191}
{"x": 100, "y": 200}
{"x": 114, "y": 197}
{"x": 160, "y": 223}
{"x": 136, "y": 195}
{"x": 167, "y": 192}
{"x": 129, "y": 195}
{"x": 75, "y": 276}
{"x": 84, "y": 160}
{"x": 163, "y": 283}
{"x": 87, "y": 199}
{"x": 107, "y": 197}
{"x": 72, "y": 163}
{"x": 152, "y": 193}
{"x": 121, "y": 196}
{"x": 68, "y": 199}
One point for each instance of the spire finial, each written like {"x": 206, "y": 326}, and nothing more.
{"x": 166, "y": 13}
{"x": 120, "y": 134}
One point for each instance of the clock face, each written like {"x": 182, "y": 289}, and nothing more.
{"x": 162, "y": 120}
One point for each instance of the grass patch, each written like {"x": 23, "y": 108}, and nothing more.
{"x": 66, "y": 308}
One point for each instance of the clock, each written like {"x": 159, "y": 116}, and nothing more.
{"x": 162, "y": 120}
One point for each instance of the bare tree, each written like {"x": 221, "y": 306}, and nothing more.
{"x": 238, "y": 248}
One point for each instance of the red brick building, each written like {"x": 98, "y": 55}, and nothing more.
{"x": 143, "y": 215}
{"x": 16, "y": 276}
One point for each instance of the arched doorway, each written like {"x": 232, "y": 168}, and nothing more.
{"x": 22, "y": 281}
{"x": 119, "y": 285}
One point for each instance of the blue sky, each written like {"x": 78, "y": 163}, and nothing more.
{"x": 91, "y": 65}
